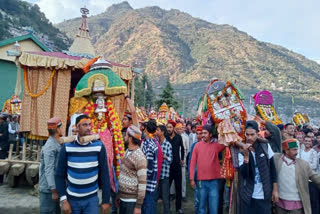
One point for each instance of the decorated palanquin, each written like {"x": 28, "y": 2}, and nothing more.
{"x": 221, "y": 107}
{"x": 300, "y": 119}
{"x": 52, "y": 78}
{"x": 58, "y": 83}
{"x": 101, "y": 86}
{"x": 173, "y": 115}
{"x": 263, "y": 102}
{"x": 163, "y": 114}
{"x": 153, "y": 115}
{"x": 13, "y": 106}
{"x": 142, "y": 115}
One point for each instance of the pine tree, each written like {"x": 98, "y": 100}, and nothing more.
{"x": 167, "y": 96}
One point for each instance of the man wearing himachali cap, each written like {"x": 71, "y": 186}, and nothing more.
{"x": 49, "y": 199}
{"x": 133, "y": 174}
{"x": 293, "y": 177}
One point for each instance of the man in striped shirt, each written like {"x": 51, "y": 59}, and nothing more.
{"x": 150, "y": 150}
{"x": 82, "y": 165}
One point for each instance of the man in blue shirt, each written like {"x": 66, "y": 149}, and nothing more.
{"x": 82, "y": 165}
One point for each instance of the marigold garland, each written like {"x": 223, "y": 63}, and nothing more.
{"x": 25, "y": 78}
{"x": 116, "y": 128}
{"x": 110, "y": 119}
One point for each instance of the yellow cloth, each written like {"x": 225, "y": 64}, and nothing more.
{"x": 35, "y": 60}
{"x": 77, "y": 104}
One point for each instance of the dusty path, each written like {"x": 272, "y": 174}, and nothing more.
{"x": 18, "y": 200}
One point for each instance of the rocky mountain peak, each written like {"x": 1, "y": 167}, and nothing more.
{"x": 119, "y": 8}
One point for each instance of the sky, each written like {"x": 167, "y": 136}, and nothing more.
{"x": 293, "y": 24}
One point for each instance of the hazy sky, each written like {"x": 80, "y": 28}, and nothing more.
{"x": 293, "y": 24}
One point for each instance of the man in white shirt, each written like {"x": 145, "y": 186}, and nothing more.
{"x": 185, "y": 139}
{"x": 192, "y": 135}
{"x": 257, "y": 173}
{"x": 13, "y": 129}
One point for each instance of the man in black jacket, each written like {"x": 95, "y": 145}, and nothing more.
{"x": 177, "y": 161}
{"x": 257, "y": 174}
{"x": 4, "y": 144}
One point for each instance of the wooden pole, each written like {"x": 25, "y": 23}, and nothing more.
{"x": 24, "y": 151}
{"x": 17, "y": 147}
{"x": 10, "y": 152}
{"x": 38, "y": 153}
{"x": 30, "y": 149}
{"x": 19, "y": 161}
{"x": 132, "y": 87}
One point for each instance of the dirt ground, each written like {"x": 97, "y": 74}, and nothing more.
{"x": 19, "y": 200}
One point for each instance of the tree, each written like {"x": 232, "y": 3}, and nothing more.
{"x": 144, "y": 95}
{"x": 167, "y": 96}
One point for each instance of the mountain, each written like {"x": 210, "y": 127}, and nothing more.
{"x": 186, "y": 49}
{"x": 18, "y": 18}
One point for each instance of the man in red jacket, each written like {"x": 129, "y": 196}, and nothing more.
{"x": 205, "y": 157}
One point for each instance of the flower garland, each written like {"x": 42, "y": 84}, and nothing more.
{"x": 25, "y": 79}
{"x": 116, "y": 128}
{"x": 110, "y": 120}
{"x": 262, "y": 113}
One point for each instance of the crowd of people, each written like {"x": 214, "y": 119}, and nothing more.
{"x": 9, "y": 134}
{"x": 278, "y": 168}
